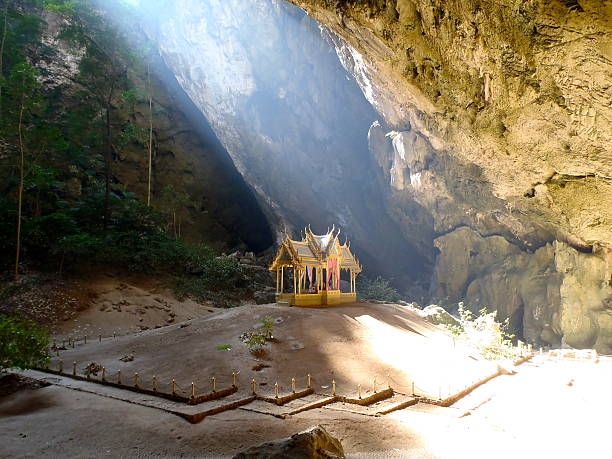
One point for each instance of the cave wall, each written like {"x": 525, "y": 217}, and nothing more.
{"x": 496, "y": 120}
{"x": 487, "y": 151}
{"x": 294, "y": 122}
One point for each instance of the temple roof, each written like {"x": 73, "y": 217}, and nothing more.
{"x": 314, "y": 250}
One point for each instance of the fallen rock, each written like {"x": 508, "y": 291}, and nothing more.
{"x": 127, "y": 358}
{"x": 314, "y": 443}
{"x": 265, "y": 297}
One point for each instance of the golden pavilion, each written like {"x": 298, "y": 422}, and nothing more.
{"x": 316, "y": 263}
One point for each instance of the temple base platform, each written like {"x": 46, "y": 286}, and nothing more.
{"x": 315, "y": 300}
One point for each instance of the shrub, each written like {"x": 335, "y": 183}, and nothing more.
{"x": 255, "y": 341}
{"x": 485, "y": 333}
{"x": 23, "y": 344}
{"x": 376, "y": 289}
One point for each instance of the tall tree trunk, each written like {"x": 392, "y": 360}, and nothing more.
{"x": 20, "y": 190}
{"x": 4, "y": 30}
{"x": 108, "y": 157}
{"x": 150, "y": 135}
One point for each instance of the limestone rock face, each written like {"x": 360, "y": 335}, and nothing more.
{"x": 219, "y": 208}
{"x": 516, "y": 95}
{"x": 553, "y": 296}
{"x": 294, "y": 122}
{"x": 314, "y": 443}
{"x": 495, "y": 127}
{"x": 488, "y": 146}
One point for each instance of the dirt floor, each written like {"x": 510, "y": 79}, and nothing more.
{"x": 535, "y": 413}
{"x": 550, "y": 408}
{"x": 351, "y": 345}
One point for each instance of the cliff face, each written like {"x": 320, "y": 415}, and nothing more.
{"x": 501, "y": 113}
{"x": 211, "y": 199}
{"x": 294, "y": 123}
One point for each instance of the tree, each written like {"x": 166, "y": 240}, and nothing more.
{"x": 172, "y": 203}
{"x": 24, "y": 91}
{"x": 150, "y": 162}
{"x": 23, "y": 343}
{"x": 2, "y": 43}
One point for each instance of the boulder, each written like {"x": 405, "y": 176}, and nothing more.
{"x": 314, "y": 443}
{"x": 265, "y": 296}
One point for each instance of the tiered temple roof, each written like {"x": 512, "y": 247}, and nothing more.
{"x": 315, "y": 250}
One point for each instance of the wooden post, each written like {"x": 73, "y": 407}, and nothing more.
{"x": 309, "y": 386}
{"x": 234, "y": 379}
{"x": 154, "y": 383}
{"x": 254, "y": 386}
{"x": 214, "y": 384}
{"x": 374, "y": 385}
{"x": 61, "y": 366}
{"x": 192, "y": 389}
{"x": 174, "y": 387}
{"x": 276, "y": 390}
{"x": 103, "y": 373}
{"x": 293, "y": 385}
{"x": 73, "y": 368}
{"x": 136, "y": 380}
{"x": 334, "y": 387}
{"x": 359, "y": 390}
{"x": 118, "y": 376}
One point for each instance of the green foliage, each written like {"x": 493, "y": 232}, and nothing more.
{"x": 267, "y": 327}
{"x": 133, "y": 133}
{"x": 376, "y": 289}
{"x": 484, "y": 332}
{"x": 223, "y": 347}
{"x": 255, "y": 341}
{"x": 23, "y": 344}
{"x": 73, "y": 214}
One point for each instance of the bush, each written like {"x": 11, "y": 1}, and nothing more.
{"x": 485, "y": 333}
{"x": 376, "y": 289}
{"x": 23, "y": 344}
{"x": 256, "y": 340}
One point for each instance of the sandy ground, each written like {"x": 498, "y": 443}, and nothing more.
{"x": 549, "y": 408}
{"x": 351, "y": 345}
{"x": 120, "y": 306}
{"x": 534, "y": 413}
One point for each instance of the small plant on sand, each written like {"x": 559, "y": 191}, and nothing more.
{"x": 256, "y": 340}
{"x": 267, "y": 327}
{"x": 23, "y": 344}
{"x": 485, "y": 333}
